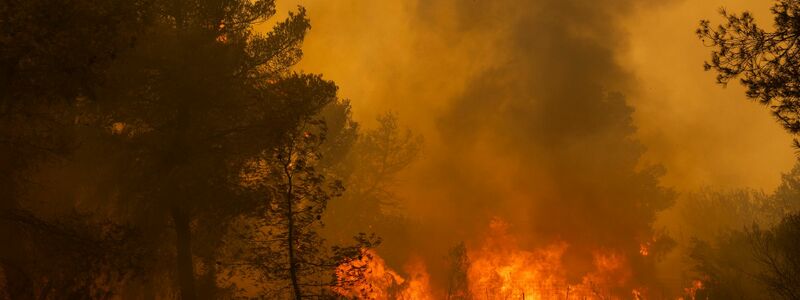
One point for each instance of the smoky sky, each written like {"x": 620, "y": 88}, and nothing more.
{"x": 572, "y": 120}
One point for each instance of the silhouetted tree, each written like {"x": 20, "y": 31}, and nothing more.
{"x": 458, "y": 282}
{"x": 767, "y": 62}
{"x": 734, "y": 257}
{"x": 777, "y": 252}
{"x": 752, "y": 263}
{"x": 726, "y": 267}
{"x": 71, "y": 257}
{"x": 47, "y": 66}
{"x": 768, "y": 65}
{"x": 710, "y": 212}
{"x": 159, "y": 106}
{"x": 302, "y": 195}
{"x": 199, "y": 96}
{"x": 786, "y": 198}
{"x": 378, "y": 156}
{"x": 369, "y": 169}
{"x": 289, "y": 253}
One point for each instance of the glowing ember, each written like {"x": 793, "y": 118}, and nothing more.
{"x": 644, "y": 249}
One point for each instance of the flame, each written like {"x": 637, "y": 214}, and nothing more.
{"x": 644, "y": 249}
{"x": 368, "y": 277}
{"x": 636, "y": 294}
{"x": 498, "y": 269}
{"x": 417, "y": 286}
{"x": 501, "y": 270}
{"x": 691, "y": 292}
{"x": 118, "y": 128}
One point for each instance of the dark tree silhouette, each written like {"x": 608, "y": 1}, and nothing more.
{"x": 766, "y": 62}
{"x": 197, "y": 98}
{"x": 166, "y": 117}
{"x": 458, "y": 283}
{"x": 369, "y": 170}
{"x": 726, "y": 267}
{"x": 776, "y": 251}
{"x": 751, "y": 263}
{"x": 768, "y": 65}
{"x": 744, "y": 243}
{"x": 46, "y": 68}
{"x": 301, "y": 194}
{"x": 128, "y": 125}
{"x": 288, "y": 253}
{"x": 72, "y": 257}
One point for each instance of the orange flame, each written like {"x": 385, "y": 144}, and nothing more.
{"x": 497, "y": 269}
{"x": 691, "y": 291}
{"x": 417, "y": 286}
{"x": 501, "y": 270}
{"x": 644, "y": 249}
{"x": 368, "y": 277}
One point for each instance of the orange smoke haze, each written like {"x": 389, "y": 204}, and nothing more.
{"x": 681, "y": 116}
{"x": 397, "y": 149}
{"x": 577, "y": 122}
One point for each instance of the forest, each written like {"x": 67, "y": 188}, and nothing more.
{"x": 399, "y": 149}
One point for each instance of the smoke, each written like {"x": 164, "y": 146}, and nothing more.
{"x": 544, "y": 138}
{"x": 527, "y": 108}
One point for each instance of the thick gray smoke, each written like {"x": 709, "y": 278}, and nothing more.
{"x": 544, "y": 138}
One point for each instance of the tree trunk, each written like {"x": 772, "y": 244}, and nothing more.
{"x": 290, "y": 235}
{"x": 207, "y": 288}
{"x": 183, "y": 244}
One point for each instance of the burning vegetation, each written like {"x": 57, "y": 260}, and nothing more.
{"x": 178, "y": 149}
{"x": 496, "y": 268}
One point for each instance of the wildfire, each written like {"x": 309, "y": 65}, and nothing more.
{"x": 637, "y": 295}
{"x": 691, "y": 292}
{"x": 501, "y": 270}
{"x": 368, "y": 277}
{"x": 497, "y": 269}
